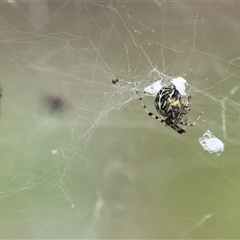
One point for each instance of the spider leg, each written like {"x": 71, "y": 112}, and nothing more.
{"x": 177, "y": 128}
{"x": 185, "y": 120}
{"x": 150, "y": 113}
{"x": 192, "y": 124}
{"x": 174, "y": 126}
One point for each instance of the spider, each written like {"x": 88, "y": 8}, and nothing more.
{"x": 170, "y": 105}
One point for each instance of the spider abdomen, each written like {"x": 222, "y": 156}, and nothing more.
{"x": 167, "y": 102}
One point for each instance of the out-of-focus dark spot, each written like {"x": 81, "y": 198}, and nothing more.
{"x": 55, "y": 103}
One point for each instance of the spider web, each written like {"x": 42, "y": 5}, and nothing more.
{"x": 80, "y": 158}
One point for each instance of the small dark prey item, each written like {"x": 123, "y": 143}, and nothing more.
{"x": 115, "y": 80}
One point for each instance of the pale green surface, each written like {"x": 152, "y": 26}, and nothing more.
{"x": 116, "y": 173}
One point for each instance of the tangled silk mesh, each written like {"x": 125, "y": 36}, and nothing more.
{"x": 80, "y": 158}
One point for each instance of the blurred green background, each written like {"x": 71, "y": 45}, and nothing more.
{"x": 79, "y": 156}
